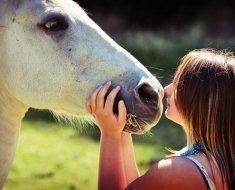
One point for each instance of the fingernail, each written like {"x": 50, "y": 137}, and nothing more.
{"x": 117, "y": 87}
{"x": 108, "y": 83}
{"x": 122, "y": 102}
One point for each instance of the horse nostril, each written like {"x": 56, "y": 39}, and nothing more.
{"x": 147, "y": 94}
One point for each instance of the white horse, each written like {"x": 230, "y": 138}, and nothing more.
{"x": 52, "y": 56}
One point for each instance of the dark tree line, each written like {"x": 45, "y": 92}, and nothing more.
{"x": 217, "y": 16}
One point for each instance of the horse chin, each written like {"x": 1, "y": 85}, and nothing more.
{"x": 139, "y": 126}
{"x": 139, "y": 130}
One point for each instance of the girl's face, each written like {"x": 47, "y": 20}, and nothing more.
{"x": 171, "y": 111}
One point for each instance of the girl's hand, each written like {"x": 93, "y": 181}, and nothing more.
{"x": 109, "y": 123}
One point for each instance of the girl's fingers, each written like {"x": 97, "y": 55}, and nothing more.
{"x": 110, "y": 99}
{"x": 101, "y": 94}
{"x": 122, "y": 112}
{"x": 93, "y": 99}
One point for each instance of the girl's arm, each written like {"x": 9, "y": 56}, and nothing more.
{"x": 130, "y": 166}
{"x": 111, "y": 168}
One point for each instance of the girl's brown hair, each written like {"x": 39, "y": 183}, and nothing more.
{"x": 205, "y": 96}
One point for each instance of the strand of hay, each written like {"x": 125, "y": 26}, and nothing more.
{"x": 132, "y": 121}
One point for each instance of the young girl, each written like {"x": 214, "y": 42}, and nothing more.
{"x": 201, "y": 99}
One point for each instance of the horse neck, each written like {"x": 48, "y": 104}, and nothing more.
{"x": 11, "y": 114}
{"x": 12, "y": 111}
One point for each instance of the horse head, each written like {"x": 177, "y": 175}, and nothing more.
{"x": 52, "y": 56}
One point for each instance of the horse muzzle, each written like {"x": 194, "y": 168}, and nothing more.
{"x": 144, "y": 106}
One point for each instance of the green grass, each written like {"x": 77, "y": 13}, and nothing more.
{"x": 52, "y": 156}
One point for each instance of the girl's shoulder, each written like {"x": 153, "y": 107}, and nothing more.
{"x": 171, "y": 173}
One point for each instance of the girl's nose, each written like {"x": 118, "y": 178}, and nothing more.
{"x": 167, "y": 89}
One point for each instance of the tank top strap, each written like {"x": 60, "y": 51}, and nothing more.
{"x": 207, "y": 179}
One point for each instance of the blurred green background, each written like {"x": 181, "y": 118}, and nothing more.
{"x": 52, "y": 155}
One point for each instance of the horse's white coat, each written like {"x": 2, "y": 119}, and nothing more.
{"x": 51, "y": 70}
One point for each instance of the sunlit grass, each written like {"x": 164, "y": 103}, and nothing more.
{"x": 51, "y": 156}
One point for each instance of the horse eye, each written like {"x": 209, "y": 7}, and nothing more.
{"x": 54, "y": 23}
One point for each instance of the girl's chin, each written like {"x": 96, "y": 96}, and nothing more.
{"x": 175, "y": 120}
{"x": 167, "y": 114}
{"x": 167, "y": 110}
